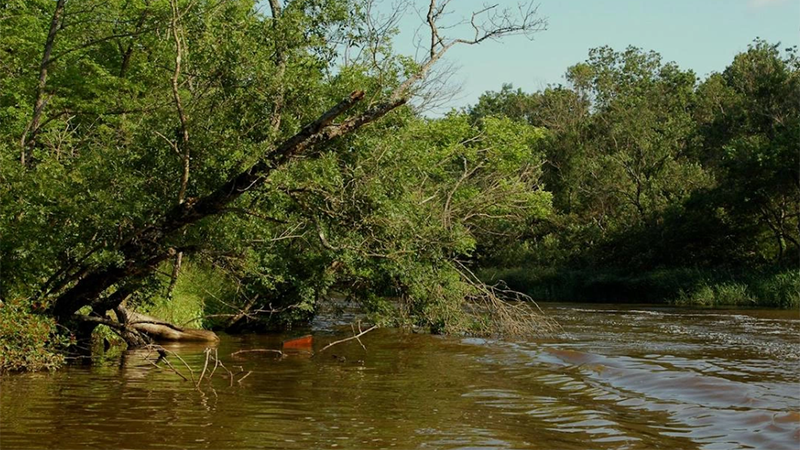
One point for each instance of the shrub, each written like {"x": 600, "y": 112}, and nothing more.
{"x": 28, "y": 341}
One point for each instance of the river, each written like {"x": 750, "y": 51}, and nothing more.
{"x": 621, "y": 377}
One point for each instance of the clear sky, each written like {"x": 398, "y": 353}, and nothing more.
{"x": 702, "y": 35}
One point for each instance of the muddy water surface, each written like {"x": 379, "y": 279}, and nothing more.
{"x": 631, "y": 377}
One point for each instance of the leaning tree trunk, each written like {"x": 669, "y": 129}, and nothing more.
{"x": 143, "y": 252}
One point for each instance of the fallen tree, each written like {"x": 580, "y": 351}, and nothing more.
{"x": 144, "y": 251}
{"x": 140, "y": 329}
{"x": 160, "y": 331}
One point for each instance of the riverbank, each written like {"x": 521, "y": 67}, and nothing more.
{"x": 31, "y": 341}
{"x": 765, "y": 287}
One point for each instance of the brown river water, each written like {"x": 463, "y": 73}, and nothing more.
{"x": 621, "y": 377}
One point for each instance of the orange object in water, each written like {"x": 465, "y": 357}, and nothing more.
{"x": 304, "y": 342}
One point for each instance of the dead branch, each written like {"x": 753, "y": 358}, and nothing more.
{"x": 216, "y": 364}
{"x": 245, "y": 376}
{"x": 352, "y": 327}
{"x": 512, "y": 312}
{"x": 204, "y": 374}
{"x": 354, "y": 337}
{"x": 257, "y": 350}
{"x": 162, "y": 352}
{"x": 207, "y": 351}
{"x": 488, "y": 23}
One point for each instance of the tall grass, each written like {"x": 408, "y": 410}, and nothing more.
{"x": 781, "y": 289}
{"x": 730, "y": 294}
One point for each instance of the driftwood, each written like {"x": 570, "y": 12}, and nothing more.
{"x": 139, "y": 330}
{"x": 161, "y": 331}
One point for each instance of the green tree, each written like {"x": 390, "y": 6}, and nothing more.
{"x": 749, "y": 119}
{"x": 213, "y": 129}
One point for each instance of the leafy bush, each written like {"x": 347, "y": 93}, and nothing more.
{"x": 200, "y": 291}
{"x": 28, "y": 341}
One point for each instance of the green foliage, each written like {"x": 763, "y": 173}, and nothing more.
{"x": 200, "y": 291}
{"x": 632, "y": 168}
{"x": 28, "y": 341}
{"x": 382, "y": 214}
{"x": 780, "y": 290}
{"x": 386, "y": 217}
{"x": 718, "y": 295}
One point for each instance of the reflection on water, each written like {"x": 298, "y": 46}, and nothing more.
{"x": 621, "y": 378}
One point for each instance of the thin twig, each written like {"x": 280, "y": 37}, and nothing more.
{"x": 162, "y": 351}
{"x": 205, "y": 366}
{"x": 352, "y": 327}
{"x": 262, "y": 350}
{"x": 245, "y": 376}
{"x": 357, "y": 336}
{"x": 216, "y": 363}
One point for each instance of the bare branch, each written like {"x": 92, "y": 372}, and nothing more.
{"x": 257, "y": 350}
{"x": 355, "y": 336}
{"x": 490, "y": 22}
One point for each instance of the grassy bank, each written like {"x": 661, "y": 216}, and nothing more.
{"x": 767, "y": 287}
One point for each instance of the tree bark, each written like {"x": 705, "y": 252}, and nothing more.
{"x": 176, "y": 271}
{"x": 39, "y": 103}
{"x": 133, "y": 338}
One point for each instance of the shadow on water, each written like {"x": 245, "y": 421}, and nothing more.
{"x": 632, "y": 377}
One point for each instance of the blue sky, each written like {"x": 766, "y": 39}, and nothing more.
{"x": 702, "y": 35}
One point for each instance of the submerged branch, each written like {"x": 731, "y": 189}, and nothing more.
{"x": 354, "y": 337}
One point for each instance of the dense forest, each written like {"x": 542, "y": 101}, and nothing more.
{"x": 234, "y": 164}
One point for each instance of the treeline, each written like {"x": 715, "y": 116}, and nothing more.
{"x": 664, "y": 187}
